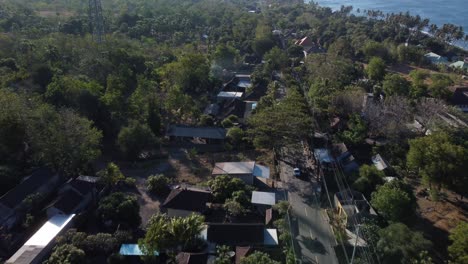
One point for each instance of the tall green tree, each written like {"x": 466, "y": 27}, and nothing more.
{"x": 459, "y": 248}
{"x": 224, "y": 187}
{"x": 395, "y": 84}
{"x": 356, "y": 132}
{"x": 169, "y": 234}
{"x": 281, "y": 123}
{"x": 13, "y": 114}
{"x": 63, "y": 140}
{"x": 395, "y": 202}
{"x": 398, "y": 244}
{"x": 276, "y": 59}
{"x": 369, "y": 178}
{"x": 111, "y": 175}
{"x": 120, "y": 209}
{"x": 438, "y": 159}
{"x": 376, "y": 69}
{"x": 135, "y": 138}
{"x": 66, "y": 254}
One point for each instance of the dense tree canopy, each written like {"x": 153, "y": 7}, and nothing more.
{"x": 164, "y": 233}
{"x": 394, "y": 201}
{"x": 66, "y": 254}
{"x": 459, "y": 248}
{"x": 280, "y": 123}
{"x": 439, "y": 160}
{"x": 398, "y": 244}
{"x": 120, "y": 208}
{"x": 224, "y": 187}
{"x": 258, "y": 257}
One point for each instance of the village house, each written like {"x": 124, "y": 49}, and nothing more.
{"x": 183, "y": 202}
{"x": 75, "y": 196}
{"x": 200, "y": 135}
{"x": 463, "y": 65}
{"x": 246, "y": 171}
{"x": 40, "y": 184}
{"x": 240, "y": 234}
{"x": 262, "y": 201}
{"x": 435, "y": 58}
{"x": 41, "y": 243}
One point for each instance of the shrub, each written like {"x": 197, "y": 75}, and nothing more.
{"x": 158, "y": 184}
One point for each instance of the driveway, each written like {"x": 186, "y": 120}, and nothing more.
{"x": 314, "y": 239}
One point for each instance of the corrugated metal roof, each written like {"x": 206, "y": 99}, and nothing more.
{"x": 41, "y": 239}
{"x": 267, "y": 198}
{"x": 197, "y": 132}
{"x": 246, "y": 167}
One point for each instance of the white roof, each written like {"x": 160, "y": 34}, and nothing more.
{"x": 49, "y": 230}
{"x": 270, "y": 237}
{"x": 230, "y": 94}
{"x": 245, "y": 167}
{"x": 355, "y": 240}
{"x": 379, "y": 162}
{"x": 267, "y": 198}
{"x": 261, "y": 171}
{"x": 41, "y": 239}
{"x": 432, "y": 54}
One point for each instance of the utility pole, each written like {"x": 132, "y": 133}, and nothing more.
{"x": 355, "y": 244}
{"x": 96, "y": 19}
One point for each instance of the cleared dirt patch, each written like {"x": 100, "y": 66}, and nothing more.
{"x": 48, "y": 13}
{"x": 437, "y": 219}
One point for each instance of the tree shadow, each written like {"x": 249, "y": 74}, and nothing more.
{"x": 314, "y": 245}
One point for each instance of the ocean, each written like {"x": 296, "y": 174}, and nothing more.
{"x": 439, "y": 12}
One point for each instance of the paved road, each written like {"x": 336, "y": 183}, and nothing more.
{"x": 314, "y": 239}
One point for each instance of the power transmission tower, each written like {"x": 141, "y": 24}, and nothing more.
{"x": 96, "y": 19}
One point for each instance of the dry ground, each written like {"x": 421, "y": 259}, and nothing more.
{"x": 437, "y": 219}
{"x": 183, "y": 167}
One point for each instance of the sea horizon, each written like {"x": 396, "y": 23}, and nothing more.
{"x": 438, "y": 12}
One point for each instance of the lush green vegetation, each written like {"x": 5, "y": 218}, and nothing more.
{"x": 67, "y": 101}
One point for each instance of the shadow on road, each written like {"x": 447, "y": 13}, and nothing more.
{"x": 313, "y": 245}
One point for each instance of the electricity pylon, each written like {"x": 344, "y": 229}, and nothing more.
{"x": 96, "y": 19}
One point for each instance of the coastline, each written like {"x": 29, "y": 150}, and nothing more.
{"x": 336, "y": 4}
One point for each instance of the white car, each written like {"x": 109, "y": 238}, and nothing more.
{"x": 297, "y": 172}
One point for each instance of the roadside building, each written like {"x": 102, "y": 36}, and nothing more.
{"x": 207, "y": 135}
{"x": 41, "y": 243}
{"x": 262, "y": 201}
{"x": 240, "y": 234}
{"x": 246, "y": 171}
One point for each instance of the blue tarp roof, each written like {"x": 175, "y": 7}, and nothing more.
{"x": 132, "y": 250}
{"x": 323, "y": 155}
